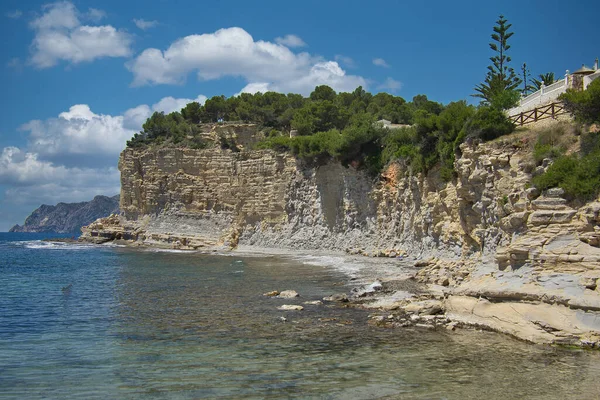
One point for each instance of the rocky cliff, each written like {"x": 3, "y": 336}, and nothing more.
{"x": 500, "y": 254}
{"x": 68, "y": 217}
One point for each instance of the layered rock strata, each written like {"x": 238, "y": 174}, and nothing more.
{"x": 487, "y": 239}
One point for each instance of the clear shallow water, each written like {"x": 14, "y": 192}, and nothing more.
{"x": 90, "y": 322}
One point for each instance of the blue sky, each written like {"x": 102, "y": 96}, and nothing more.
{"x": 79, "y": 77}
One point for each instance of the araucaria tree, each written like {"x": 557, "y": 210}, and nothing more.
{"x": 500, "y": 84}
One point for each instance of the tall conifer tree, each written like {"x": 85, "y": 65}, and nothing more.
{"x": 500, "y": 78}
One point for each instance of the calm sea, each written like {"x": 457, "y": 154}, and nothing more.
{"x": 89, "y": 322}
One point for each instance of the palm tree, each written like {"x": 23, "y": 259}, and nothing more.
{"x": 547, "y": 79}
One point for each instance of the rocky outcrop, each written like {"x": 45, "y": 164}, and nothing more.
{"x": 68, "y": 217}
{"x": 487, "y": 236}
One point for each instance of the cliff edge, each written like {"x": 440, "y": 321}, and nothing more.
{"x": 494, "y": 251}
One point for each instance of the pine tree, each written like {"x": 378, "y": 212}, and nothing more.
{"x": 500, "y": 78}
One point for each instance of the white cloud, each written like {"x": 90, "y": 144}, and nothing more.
{"x": 390, "y": 84}
{"x": 135, "y": 117}
{"x": 25, "y": 168}
{"x": 328, "y": 73}
{"x": 33, "y": 182}
{"x": 60, "y": 36}
{"x": 233, "y": 52}
{"x": 69, "y": 158}
{"x": 80, "y": 131}
{"x": 143, "y": 24}
{"x": 95, "y": 15}
{"x": 14, "y": 14}
{"x": 256, "y": 87}
{"x": 290, "y": 41}
{"x": 380, "y": 62}
{"x": 348, "y": 62}
{"x": 170, "y": 104}
{"x": 57, "y": 15}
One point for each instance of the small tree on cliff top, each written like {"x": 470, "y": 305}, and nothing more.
{"x": 501, "y": 79}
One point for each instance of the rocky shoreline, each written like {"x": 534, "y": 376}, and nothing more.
{"x": 486, "y": 249}
{"x": 435, "y": 293}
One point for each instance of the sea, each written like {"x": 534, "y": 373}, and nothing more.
{"x": 103, "y": 322}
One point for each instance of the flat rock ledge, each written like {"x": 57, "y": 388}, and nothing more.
{"x": 542, "y": 308}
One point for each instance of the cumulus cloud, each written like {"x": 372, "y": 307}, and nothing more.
{"x": 60, "y": 36}
{"x": 95, "y": 15}
{"x": 16, "y": 14}
{"x": 143, "y": 24}
{"x": 324, "y": 73}
{"x": 23, "y": 168}
{"x": 390, "y": 84}
{"x": 233, "y": 52}
{"x": 348, "y": 62}
{"x": 33, "y": 182}
{"x": 290, "y": 41}
{"x": 78, "y": 131}
{"x": 170, "y": 104}
{"x": 135, "y": 117}
{"x": 380, "y": 62}
{"x": 71, "y": 157}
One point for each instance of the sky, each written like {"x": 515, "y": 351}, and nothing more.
{"x": 79, "y": 78}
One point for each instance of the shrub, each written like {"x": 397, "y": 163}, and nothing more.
{"x": 542, "y": 151}
{"x": 488, "y": 123}
{"x": 584, "y": 105}
{"x": 578, "y": 175}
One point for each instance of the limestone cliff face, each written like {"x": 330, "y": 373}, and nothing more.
{"x": 488, "y": 238}
{"x": 271, "y": 199}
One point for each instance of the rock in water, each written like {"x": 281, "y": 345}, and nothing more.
{"x": 288, "y": 294}
{"x": 272, "y": 293}
{"x": 290, "y": 307}
{"x": 340, "y": 297}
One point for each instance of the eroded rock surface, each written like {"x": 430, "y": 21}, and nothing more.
{"x": 496, "y": 252}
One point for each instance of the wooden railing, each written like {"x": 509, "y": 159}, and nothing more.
{"x": 539, "y": 113}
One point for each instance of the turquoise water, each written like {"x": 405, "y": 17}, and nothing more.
{"x": 105, "y": 323}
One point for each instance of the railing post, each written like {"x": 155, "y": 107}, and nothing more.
{"x": 535, "y": 113}
{"x": 553, "y": 111}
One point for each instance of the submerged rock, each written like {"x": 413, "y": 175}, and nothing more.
{"x": 288, "y": 294}
{"x": 339, "y": 297}
{"x": 290, "y": 307}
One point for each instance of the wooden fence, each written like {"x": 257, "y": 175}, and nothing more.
{"x": 539, "y": 113}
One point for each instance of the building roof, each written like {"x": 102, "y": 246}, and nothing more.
{"x": 584, "y": 70}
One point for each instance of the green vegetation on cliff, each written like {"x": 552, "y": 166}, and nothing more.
{"x": 579, "y": 173}
{"x": 342, "y": 126}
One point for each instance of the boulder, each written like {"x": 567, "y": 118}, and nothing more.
{"x": 339, "y": 297}
{"x": 290, "y": 307}
{"x": 288, "y": 294}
